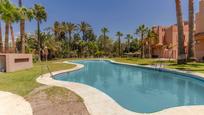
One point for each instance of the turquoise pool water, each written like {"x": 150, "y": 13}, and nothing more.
{"x": 139, "y": 89}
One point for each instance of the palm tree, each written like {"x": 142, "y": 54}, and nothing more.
{"x": 104, "y": 31}
{"x": 26, "y": 14}
{"x": 142, "y": 31}
{"x": 22, "y": 31}
{"x": 56, "y": 29}
{"x": 70, "y": 29}
{"x": 191, "y": 30}
{"x": 151, "y": 39}
{"x": 1, "y": 42}
{"x": 84, "y": 27}
{"x": 119, "y": 35}
{"x": 40, "y": 15}
{"x": 181, "y": 51}
{"x": 129, "y": 37}
{"x": 9, "y": 15}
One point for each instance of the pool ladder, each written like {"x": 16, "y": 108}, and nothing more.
{"x": 47, "y": 67}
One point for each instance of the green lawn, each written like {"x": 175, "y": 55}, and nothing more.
{"x": 22, "y": 82}
{"x": 141, "y": 61}
{"x": 193, "y": 66}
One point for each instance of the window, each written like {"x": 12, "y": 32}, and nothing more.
{"x": 19, "y": 60}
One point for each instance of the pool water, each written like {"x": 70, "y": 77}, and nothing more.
{"x": 138, "y": 89}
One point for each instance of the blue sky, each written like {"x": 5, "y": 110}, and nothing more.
{"x": 117, "y": 15}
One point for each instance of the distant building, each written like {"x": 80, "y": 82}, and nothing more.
{"x": 199, "y": 34}
{"x": 167, "y": 46}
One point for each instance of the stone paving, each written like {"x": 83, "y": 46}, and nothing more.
{"x": 11, "y": 104}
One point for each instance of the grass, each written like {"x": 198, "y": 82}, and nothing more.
{"x": 141, "y": 61}
{"x": 53, "y": 92}
{"x": 193, "y": 66}
{"x": 23, "y": 82}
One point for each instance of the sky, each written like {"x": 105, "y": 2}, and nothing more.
{"x": 117, "y": 15}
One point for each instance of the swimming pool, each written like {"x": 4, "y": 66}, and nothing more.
{"x": 138, "y": 89}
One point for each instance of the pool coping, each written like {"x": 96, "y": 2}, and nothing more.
{"x": 99, "y": 103}
{"x": 12, "y": 104}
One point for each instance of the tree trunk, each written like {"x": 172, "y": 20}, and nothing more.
{"x": 1, "y": 42}
{"x": 143, "y": 47}
{"x": 22, "y": 35}
{"x": 191, "y": 31}
{"x": 39, "y": 41}
{"x": 104, "y": 39}
{"x": 119, "y": 46}
{"x": 128, "y": 45}
{"x": 181, "y": 50}
{"x": 70, "y": 39}
{"x": 13, "y": 39}
{"x": 7, "y": 37}
{"x": 22, "y": 31}
{"x": 150, "y": 51}
{"x": 83, "y": 35}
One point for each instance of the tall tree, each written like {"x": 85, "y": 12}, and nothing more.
{"x": 22, "y": 30}
{"x": 71, "y": 27}
{"x": 84, "y": 27}
{"x": 1, "y": 40}
{"x": 104, "y": 31}
{"x": 9, "y": 15}
{"x": 119, "y": 35}
{"x": 128, "y": 37}
{"x": 25, "y": 14}
{"x": 181, "y": 50}
{"x": 151, "y": 39}
{"x": 142, "y": 31}
{"x": 40, "y": 15}
{"x": 56, "y": 29}
{"x": 191, "y": 30}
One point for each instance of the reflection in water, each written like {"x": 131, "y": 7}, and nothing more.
{"x": 138, "y": 89}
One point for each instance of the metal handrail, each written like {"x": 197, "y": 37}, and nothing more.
{"x": 47, "y": 69}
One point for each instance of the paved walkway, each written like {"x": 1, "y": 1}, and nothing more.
{"x": 11, "y": 104}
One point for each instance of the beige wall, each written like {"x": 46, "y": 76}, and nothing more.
{"x": 199, "y": 36}
{"x": 200, "y": 18}
{"x": 15, "y": 62}
{"x": 168, "y": 38}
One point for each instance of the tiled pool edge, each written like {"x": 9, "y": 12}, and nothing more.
{"x": 98, "y": 103}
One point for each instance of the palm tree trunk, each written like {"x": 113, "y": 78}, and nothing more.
{"x": 39, "y": 41}
{"x": 22, "y": 31}
{"x": 143, "y": 47}
{"x": 128, "y": 45}
{"x": 119, "y": 46}
{"x": 150, "y": 51}
{"x": 22, "y": 35}
{"x": 191, "y": 30}
{"x": 70, "y": 38}
{"x": 13, "y": 39}
{"x": 181, "y": 52}
{"x": 104, "y": 40}
{"x": 1, "y": 42}
{"x": 83, "y": 35}
{"x": 7, "y": 37}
